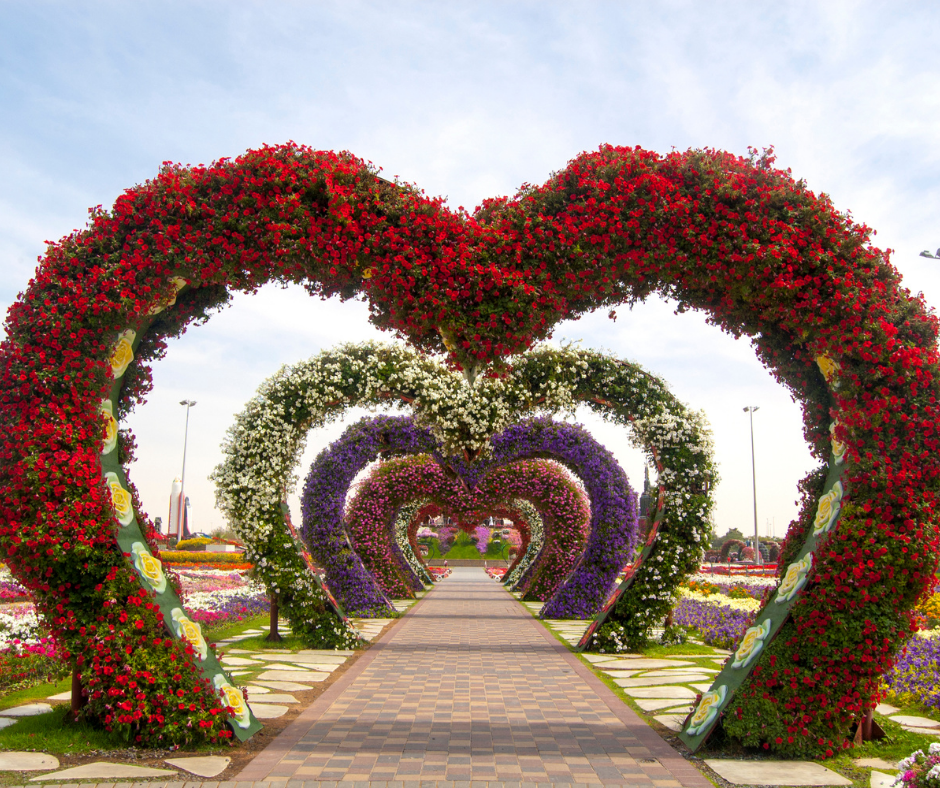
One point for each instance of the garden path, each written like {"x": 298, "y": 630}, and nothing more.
{"x": 468, "y": 686}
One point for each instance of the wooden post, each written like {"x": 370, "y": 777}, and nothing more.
{"x": 78, "y": 700}
{"x": 273, "y": 636}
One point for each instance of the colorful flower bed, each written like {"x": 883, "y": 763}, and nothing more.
{"x": 10, "y": 589}
{"x": 215, "y": 597}
{"x": 915, "y": 676}
{"x": 920, "y": 770}
{"x": 496, "y": 572}
{"x": 758, "y": 251}
{"x": 28, "y": 653}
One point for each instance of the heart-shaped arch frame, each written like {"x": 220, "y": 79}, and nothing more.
{"x": 371, "y": 514}
{"x": 268, "y": 437}
{"x": 328, "y": 519}
{"x": 408, "y": 520}
{"x": 758, "y": 251}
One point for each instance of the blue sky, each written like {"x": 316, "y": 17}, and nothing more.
{"x": 467, "y": 101}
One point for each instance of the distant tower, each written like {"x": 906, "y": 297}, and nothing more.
{"x": 645, "y": 505}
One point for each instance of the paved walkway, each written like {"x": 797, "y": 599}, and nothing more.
{"x": 468, "y": 687}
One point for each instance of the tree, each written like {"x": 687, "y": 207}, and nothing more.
{"x": 733, "y": 533}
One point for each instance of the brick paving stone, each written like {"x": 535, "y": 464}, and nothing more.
{"x": 469, "y": 690}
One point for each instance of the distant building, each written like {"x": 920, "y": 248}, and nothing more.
{"x": 645, "y": 507}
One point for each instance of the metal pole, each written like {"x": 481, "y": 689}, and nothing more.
{"x": 179, "y": 504}
{"x": 750, "y": 411}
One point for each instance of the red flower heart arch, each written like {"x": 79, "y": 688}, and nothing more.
{"x": 759, "y": 252}
{"x": 563, "y": 506}
{"x": 412, "y": 517}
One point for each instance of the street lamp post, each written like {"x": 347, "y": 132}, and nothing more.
{"x": 750, "y": 411}
{"x": 182, "y": 497}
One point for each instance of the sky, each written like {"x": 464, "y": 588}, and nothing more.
{"x": 468, "y": 100}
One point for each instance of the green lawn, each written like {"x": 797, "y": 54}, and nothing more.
{"x": 463, "y": 547}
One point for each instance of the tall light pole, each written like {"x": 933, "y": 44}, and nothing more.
{"x": 182, "y": 498}
{"x": 750, "y": 411}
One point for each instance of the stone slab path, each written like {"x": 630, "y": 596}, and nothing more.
{"x": 469, "y": 687}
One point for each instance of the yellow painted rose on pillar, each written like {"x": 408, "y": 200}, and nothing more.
{"x": 123, "y": 353}
{"x": 120, "y": 499}
{"x": 190, "y": 632}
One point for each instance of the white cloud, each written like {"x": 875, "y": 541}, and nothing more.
{"x": 468, "y": 101}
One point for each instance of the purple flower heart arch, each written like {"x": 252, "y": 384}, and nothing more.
{"x": 735, "y": 237}
{"x": 369, "y": 520}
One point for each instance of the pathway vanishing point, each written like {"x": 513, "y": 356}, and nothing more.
{"x": 469, "y": 687}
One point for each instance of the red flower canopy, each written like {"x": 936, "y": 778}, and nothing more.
{"x": 763, "y": 255}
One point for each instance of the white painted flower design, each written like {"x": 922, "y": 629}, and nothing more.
{"x": 190, "y": 632}
{"x": 751, "y": 644}
{"x": 829, "y": 368}
{"x": 120, "y": 499}
{"x": 232, "y": 696}
{"x": 123, "y": 353}
{"x": 829, "y": 506}
{"x": 111, "y": 427}
{"x": 706, "y": 711}
{"x": 178, "y": 284}
{"x": 149, "y": 567}
{"x": 838, "y": 447}
{"x": 794, "y": 579}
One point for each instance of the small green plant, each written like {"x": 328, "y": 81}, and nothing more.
{"x": 740, "y": 592}
{"x": 673, "y": 635}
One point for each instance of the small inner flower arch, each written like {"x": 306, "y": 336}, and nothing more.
{"x": 371, "y": 515}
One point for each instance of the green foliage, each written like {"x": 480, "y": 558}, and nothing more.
{"x": 21, "y": 672}
{"x": 498, "y": 549}
{"x": 679, "y": 650}
{"x": 617, "y": 637}
{"x": 35, "y": 692}
{"x": 718, "y": 541}
{"x": 673, "y": 636}
{"x": 434, "y": 549}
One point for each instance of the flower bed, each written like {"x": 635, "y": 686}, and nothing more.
{"x": 497, "y": 573}
{"x": 208, "y": 560}
{"x": 718, "y": 624}
{"x": 919, "y": 769}
{"x": 10, "y": 589}
{"x": 213, "y": 598}
{"x": 915, "y": 677}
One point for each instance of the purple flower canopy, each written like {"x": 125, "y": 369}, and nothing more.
{"x": 613, "y": 533}
{"x": 613, "y": 527}
{"x": 324, "y": 500}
